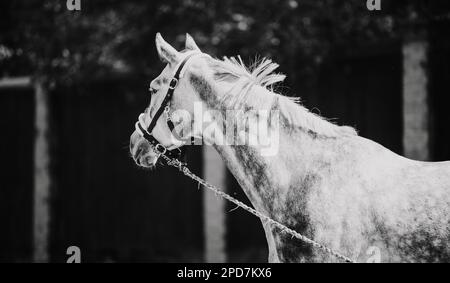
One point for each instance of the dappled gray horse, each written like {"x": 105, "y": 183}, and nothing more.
{"x": 323, "y": 180}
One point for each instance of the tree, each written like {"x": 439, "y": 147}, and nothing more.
{"x": 113, "y": 37}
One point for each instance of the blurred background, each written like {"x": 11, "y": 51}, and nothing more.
{"x": 73, "y": 82}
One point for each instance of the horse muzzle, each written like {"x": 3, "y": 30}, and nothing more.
{"x": 141, "y": 151}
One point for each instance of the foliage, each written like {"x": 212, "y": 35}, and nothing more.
{"x": 115, "y": 37}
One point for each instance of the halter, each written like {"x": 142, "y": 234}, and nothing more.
{"x": 164, "y": 108}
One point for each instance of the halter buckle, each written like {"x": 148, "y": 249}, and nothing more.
{"x": 173, "y": 83}
{"x": 160, "y": 148}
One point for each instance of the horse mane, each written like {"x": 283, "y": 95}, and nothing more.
{"x": 261, "y": 73}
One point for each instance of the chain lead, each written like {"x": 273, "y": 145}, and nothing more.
{"x": 183, "y": 168}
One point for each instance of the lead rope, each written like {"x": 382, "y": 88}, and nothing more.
{"x": 185, "y": 170}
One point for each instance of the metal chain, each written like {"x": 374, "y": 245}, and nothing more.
{"x": 183, "y": 168}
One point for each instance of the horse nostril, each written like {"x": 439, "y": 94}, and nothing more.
{"x": 134, "y": 140}
{"x": 138, "y": 152}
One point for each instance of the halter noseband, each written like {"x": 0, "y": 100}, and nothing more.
{"x": 157, "y": 146}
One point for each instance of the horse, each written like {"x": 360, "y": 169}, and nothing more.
{"x": 323, "y": 180}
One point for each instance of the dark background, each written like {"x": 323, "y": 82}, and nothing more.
{"x": 342, "y": 60}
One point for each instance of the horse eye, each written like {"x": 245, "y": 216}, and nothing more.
{"x": 153, "y": 91}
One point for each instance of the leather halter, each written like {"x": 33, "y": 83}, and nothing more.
{"x": 147, "y": 133}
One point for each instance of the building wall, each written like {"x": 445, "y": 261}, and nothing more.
{"x": 16, "y": 174}
{"x": 439, "y": 71}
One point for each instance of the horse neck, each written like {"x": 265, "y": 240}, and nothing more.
{"x": 265, "y": 178}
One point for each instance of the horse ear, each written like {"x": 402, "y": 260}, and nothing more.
{"x": 166, "y": 52}
{"x": 190, "y": 43}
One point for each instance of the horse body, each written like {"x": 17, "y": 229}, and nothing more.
{"x": 350, "y": 194}
{"x": 326, "y": 182}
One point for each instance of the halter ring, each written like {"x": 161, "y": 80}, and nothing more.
{"x": 173, "y": 83}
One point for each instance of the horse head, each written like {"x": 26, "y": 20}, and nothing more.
{"x": 167, "y": 119}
